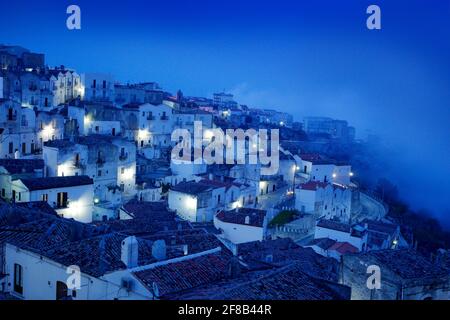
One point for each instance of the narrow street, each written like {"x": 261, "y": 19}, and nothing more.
{"x": 270, "y": 200}
{"x": 371, "y": 209}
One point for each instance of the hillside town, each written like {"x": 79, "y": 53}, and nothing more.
{"x": 94, "y": 206}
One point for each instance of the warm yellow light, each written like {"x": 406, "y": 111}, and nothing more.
{"x": 128, "y": 173}
{"x": 87, "y": 120}
{"x": 143, "y": 133}
{"x": 191, "y": 203}
{"x": 208, "y": 134}
{"x": 48, "y": 130}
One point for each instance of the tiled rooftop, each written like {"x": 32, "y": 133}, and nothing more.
{"x": 238, "y": 216}
{"x": 407, "y": 264}
{"x": 188, "y": 274}
{"x": 56, "y": 182}
{"x": 17, "y": 166}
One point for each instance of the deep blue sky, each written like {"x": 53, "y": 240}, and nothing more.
{"x": 305, "y": 57}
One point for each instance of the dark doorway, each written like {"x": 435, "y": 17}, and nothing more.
{"x": 61, "y": 290}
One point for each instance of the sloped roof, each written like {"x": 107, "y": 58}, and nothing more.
{"x": 406, "y": 263}
{"x": 99, "y": 255}
{"x": 286, "y": 283}
{"x": 238, "y": 216}
{"x": 16, "y": 166}
{"x": 144, "y": 209}
{"x": 187, "y": 274}
{"x": 313, "y": 185}
{"x": 194, "y": 188}
{"x": 56, "y": 182}
{"x": 283, "y": 252}
{"x": 343, "y": 248}
{"x": 323, "y": 243}
{"x": 334, "y": 225}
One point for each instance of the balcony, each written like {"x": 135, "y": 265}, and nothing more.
{"x": 100, "y": 162}
{"x": 164, "y": 118}
{"x": 123, "y": 156}
{"x": 78, "y": 164}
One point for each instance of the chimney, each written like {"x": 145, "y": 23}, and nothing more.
{"x": 159, "y": 250}
{"x": 185, "y": 250}
{"x": 211, "y": 176}
{"x": 247, "y": 220}
{"x": 129, "y": 254}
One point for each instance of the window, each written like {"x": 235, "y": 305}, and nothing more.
{"x": 11, "y": 147}
{"x": 18, "y": 281}
{"x": 44, "y": 197}
{"x": 3, "y": 192}
{"x": 99, "y": 173}
{"x": 62, "y": 200}
{"x": 122, "y": 170}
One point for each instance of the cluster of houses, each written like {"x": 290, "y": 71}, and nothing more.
{"x": 90, "y": 191}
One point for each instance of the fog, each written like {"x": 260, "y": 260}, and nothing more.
{"x": 307, "y": 58}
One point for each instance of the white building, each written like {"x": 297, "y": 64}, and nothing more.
{"x": 107, "y": 267}
{"x": 325, "y": 200}
{"x": 155, "y": 126}
{"x": 112, "y": 128}
{"x": 98, "y": 87}
{"x": 17, "y": 130}
{"x": 355, "y": 235}
{"x": 242, "y": 225}
{"x": 312, "y": 167}
{"x": 109, "y": 161}
{"x": 197, "y": 201}
{"x": 13, "y": 169}
{"x": 49, "y": 126}
{"x": 71, "y": 197}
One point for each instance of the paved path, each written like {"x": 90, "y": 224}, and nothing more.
{"x": 270, "y": 200}
{"x": 371, "y": 208}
